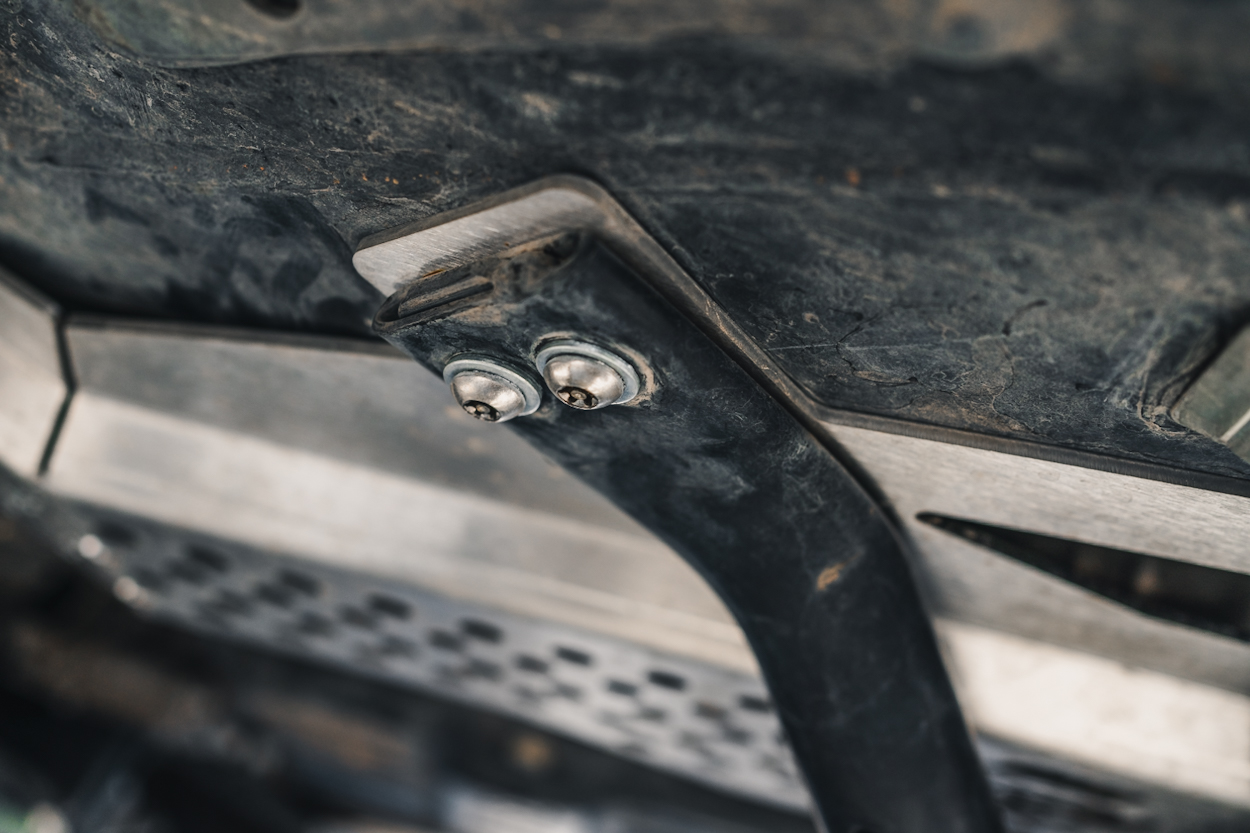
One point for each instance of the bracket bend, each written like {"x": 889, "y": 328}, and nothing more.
{"x": 712, "y": 458}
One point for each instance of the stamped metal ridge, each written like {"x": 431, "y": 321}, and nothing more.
{"x": 566, "y": 202}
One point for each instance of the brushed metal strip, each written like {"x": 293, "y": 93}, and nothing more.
{"x": 33, "y": 388}
{"x": 290, "y": 445}
{"x": 1098, "y": 507}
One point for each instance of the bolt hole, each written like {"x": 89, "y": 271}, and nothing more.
{"x": 277, "y": 9}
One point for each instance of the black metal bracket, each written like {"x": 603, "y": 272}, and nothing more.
{"x": 720, "y": 469}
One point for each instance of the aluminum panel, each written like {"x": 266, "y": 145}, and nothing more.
{"x": 32, "y": 386}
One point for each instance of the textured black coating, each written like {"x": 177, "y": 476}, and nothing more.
{"x": 800, "y": 554}
{"x": 1042, "y": 250}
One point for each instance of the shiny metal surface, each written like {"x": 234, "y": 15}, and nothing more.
{"x": 703, "y": 720}
{"x": 1159, "y": 728}
{"x": 460, "y": 240}
{"x": 1100, "y": 507}
{"x": 973, "y": 584}
{"x": 489, "y": 391}
{"x": 304, "y": 446}
{"x": 32, "y": 384}
{"x": 586, "y": 376}
{"x": 1218, "y": 403}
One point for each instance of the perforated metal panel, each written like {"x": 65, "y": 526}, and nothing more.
{"x": 703, "y": 721}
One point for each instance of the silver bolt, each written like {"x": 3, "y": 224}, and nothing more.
{"x": 491, "y": 391}
{"x": 586, "y": 376}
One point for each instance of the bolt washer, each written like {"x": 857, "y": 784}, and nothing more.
{"x": 586, "y": 376}
{"x": 476, "y": 381}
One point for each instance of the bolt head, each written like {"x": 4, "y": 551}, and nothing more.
{"x": 488, "y": 396}
{"x": 582, "y": 382}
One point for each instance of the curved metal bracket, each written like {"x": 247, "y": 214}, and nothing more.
{"x": 722, "y": 469}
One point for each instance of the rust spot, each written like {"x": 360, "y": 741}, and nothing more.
{"x": 853, "y": 177}
{"x": 532, "y": 753}
{"x": 829, "y": 575}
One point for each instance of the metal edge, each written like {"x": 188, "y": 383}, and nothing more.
{"x": 192, "y": 330}
{"x": 44, "y": 304}
{"x": 630, "y": 241}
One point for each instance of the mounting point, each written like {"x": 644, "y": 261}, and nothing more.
{"x": 490, "y": 391}
{"x": 586, "y": 376}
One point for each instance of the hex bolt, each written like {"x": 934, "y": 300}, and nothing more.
{"x": 491, "y": 391}
{"x": 586, "y": 376}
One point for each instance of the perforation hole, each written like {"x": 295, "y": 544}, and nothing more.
{"x": 314, "y": 624}
{"x": 231, "y": 602}
{"x": 276, "y": 594}
{"x": 358, "y": 618}
{"x": 149, "y": 579}
{"x": 188, "y": 572}
{"x": 574, "y": 656}
{"x": 390, "y": 606}
{"x": 300, "y": 582}
{"x": 754, "y": 704}
{"x": 444, "y": 641}
{"x": 664, "y": 679}
{"x": 531, "y": 664}
{"x": 622, "y": 688}
{"x": 277, "y": 9}
{"x": 205, "y": 557}
{"x": 396, "y": 648}
{"x": 485, "y": 631}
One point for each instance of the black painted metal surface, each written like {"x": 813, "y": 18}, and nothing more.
{"x": 1045, "y": 249}
{"x": 804, "y": 559}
